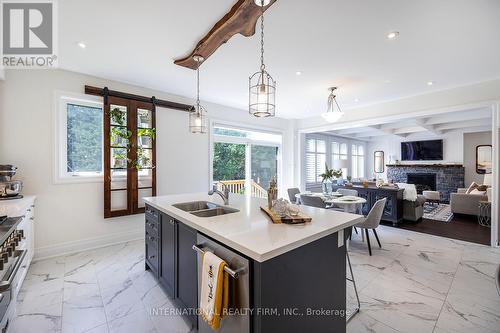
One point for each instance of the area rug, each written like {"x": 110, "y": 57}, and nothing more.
{"x": 441, "y": 212}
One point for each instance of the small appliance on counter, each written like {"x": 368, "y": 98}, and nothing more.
{"x": 9, "y": 188}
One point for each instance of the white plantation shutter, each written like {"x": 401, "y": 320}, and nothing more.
{"x": 361, "y": 161}
{"x": 310, "y": 168}
{"x": 315, "y": 159}
{"x": 320, "y": 166}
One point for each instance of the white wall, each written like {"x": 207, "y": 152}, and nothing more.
{"x": 453, "y": 151}
{"x": 69, "y": 216}
{"x": 471, "y": 141}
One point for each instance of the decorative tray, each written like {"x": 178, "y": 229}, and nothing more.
{"x": 288, "y": 219}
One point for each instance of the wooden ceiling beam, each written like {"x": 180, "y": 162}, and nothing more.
{"x": 240, "y": 19}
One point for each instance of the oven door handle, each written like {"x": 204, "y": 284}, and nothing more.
{"x": 14, "y": 271}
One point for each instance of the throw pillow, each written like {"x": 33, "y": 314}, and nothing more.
{"x": 477, "y": 192}
{"x": 482, "y": 188}
{"x": 472, "y": 187}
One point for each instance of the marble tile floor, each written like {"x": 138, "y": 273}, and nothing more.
{"x": 415, "y": 283}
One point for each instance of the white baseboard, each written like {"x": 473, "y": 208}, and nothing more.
{"x": 87, "y": 244}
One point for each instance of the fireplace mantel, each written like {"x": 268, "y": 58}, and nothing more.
{"x": 426, "y": 165}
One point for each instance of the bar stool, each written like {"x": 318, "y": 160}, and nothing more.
{"x": 347, "y": 236}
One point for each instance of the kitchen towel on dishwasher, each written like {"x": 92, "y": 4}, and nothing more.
{"x": 214, "y": 290}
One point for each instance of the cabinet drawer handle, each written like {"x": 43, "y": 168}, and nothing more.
{"x": 151, "y": 238}
{"x": 151, "y": 257}
{"x": 172, "y": 222}
{"x": 32, "y": 218}
{"x": 28, "y": 210}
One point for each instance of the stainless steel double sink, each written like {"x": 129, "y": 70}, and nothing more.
{"x": 204, "y": 208}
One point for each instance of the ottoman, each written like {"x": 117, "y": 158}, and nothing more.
{"x": 432, "y": 196}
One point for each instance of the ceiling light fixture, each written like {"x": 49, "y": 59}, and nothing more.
{"x": 198, "y": 114}
{"x": 298, "y": 73}
{"x": 356, "y": 100}
{"x": 262, "y": 87}
{"x": 393, "y": 35}
{"x": 430, "y": 83}
{"x": 82, "y": 45}
{"x": 333, "y": 113}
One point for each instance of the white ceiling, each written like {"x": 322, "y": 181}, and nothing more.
{"x": 469, "y": 121}
{"x": 332, "y": 42}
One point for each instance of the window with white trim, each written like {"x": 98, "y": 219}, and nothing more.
{"x": 79, "y": 139}
{"x": 358, "y": 161}
{"x": 315, "y": 160}
{"x": 339, "y": 152}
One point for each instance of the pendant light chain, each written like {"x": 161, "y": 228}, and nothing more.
{"x": 198, "y": 87}
{"x": 262, "y": 65}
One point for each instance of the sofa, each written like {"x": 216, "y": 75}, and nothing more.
{"x": 467, "y": 204}
{"x": 414, "y": 210}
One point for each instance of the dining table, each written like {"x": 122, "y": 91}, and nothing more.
{"x": 350, "y": 204}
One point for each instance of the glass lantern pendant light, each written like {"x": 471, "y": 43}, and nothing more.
{"x": 334, "y": 113}
{"x": 198, "y": 114}
{"x": 262, "y": 91}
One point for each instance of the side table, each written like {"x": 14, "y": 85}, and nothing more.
{"x": 484, "y": 217}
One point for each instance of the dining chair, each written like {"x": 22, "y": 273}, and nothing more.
{"x": 313, "y": 201}
{"x": 372, "y": 221}
{"x": 291, "y": 194}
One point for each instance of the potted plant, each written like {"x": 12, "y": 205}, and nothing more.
{"x": 327, "y": 177}
{"x": 143, "y": 160}
{"x": 144, "y": 118}
{"x": 120, "y": 159}
{"x": 117, "y": 116}
{"x": 145, "y": 136}
{"x": 120, "y": 137}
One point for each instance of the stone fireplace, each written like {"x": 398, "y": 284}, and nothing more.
{"x": 422, "y": 181}
{"x": 445, "y": 178}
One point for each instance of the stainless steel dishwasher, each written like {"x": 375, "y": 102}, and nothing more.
{"x": 239, "y": 286}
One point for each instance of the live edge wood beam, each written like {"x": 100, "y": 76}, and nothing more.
{"x": 89, "y": 90}
{"x": 240, "y": 19}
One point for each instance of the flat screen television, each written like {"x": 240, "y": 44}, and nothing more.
{"x": 431, "y": 150}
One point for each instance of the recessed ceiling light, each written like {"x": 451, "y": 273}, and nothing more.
{"x": 387, "y": 81}
{"x": 298, "y": 73}
{"x": 430, "y": 83}
{"x": 82, "y": 45}
{"x": 392, "y": 34}
{"x": 356, "y": 100}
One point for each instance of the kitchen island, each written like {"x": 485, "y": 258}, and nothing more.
{"x": 287, "y": 278}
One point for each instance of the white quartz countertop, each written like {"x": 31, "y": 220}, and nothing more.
{"x": 250, "y": 231}
{"x": 16, "y": 207}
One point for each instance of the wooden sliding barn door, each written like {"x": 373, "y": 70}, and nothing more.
{"x": 129, "y": 155}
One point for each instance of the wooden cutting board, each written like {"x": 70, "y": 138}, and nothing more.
{"x": 288, "y": 219}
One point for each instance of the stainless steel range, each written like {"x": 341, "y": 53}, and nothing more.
{"x": 13, "y": 266}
